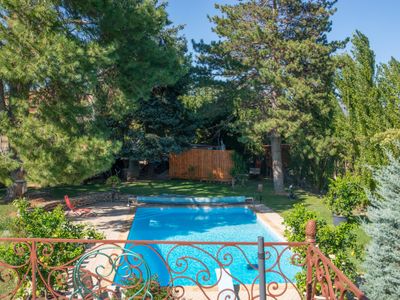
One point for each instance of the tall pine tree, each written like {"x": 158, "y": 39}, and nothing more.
{"x": 157, "y": 126}
{"x": 276, "y": 56}
{"x": 382, "y": 262}
{"x": 66, "y": 68}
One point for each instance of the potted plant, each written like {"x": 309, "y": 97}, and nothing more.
{"x": 346, "y": 193}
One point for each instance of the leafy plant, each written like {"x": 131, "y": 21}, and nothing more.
{"x": 339, "y": 243}
{"x": 239, "y": 170}
{"x": 239, "y": 165}
{"x": 38, "y": 223}
{"x": 346, "y": 194}
{"x": 158, "y": 292}
{"x": 369, "y": 93}
{"x": 113, "y": 181}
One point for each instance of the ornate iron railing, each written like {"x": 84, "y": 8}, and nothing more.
{"x": 116, "y": 269}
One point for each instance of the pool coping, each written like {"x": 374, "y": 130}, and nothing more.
{"x": 269, "y": 218}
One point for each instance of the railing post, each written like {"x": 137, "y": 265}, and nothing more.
{"x": 311, "y": 232}
{"x": 33, "y": 260}
{"x": 261, "y": 268}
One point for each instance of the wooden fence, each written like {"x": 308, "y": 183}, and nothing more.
{"x": 201, "y": 164}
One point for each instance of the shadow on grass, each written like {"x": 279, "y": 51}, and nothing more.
{"x": 279, "y": 203}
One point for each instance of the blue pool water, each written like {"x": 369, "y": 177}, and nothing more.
{"x": 190, "y": 200}
{"x": 237, "y": 224}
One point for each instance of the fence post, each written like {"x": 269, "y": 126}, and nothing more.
{"x": 261, "y": 268}
{"x": 33, "y": 260}
{"x": 311, "y": 231}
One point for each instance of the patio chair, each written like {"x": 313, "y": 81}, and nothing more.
{"x": 78, "y": 212}
{"x": 225, "y": 284}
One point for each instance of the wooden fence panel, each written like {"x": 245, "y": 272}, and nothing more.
{"x": 201, "y": 164}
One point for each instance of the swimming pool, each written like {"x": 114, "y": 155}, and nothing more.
{"x": 238, "y": 224}
{"x": 168, "y": 199}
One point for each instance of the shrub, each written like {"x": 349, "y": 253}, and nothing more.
{"x": 113, "y": 181}
{"x": 338, "y": 243}
{"x": 38, "y": 223}
{"x": 239, "y": 170}
{"x": 239, "y": 164}
{"x": 345, "y": 195}
{"x": 158, "y": 292}
{"x": 382, "y": 263}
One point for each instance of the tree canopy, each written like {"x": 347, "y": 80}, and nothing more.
{"x": 158, "y": 125}
{"x": 368, "y": 123}
{"x": 66, "y": 68}
{"x": 276, "y": 57}
{"x": 382, "y": 278}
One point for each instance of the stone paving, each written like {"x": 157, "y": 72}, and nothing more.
{"x": 113, "y": 219}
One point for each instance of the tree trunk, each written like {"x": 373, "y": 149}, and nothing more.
{"x": 19, "y": 186}
{"x": 19, "y": 90}
{"x": 2, "y": 97}
{"x": 277, "y": 167}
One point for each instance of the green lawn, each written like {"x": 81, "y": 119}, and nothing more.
{"x": 6, "y": 213}
{"x": 280, "y": 204}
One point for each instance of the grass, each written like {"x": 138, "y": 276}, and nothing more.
{"x": 280, "y": 204}
{"x": 7, "y": 211}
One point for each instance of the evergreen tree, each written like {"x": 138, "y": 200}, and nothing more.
{"x": 66, "y": 68}
{"x": 158, "y": 126}
{"x": 276, "y": 57}
{"x": 213, "y": 104}
{"x": 369, "y": 120}
{"x": 382, "y": 263}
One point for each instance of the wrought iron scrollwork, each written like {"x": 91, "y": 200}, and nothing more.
{"x": 327, "y": 278}
{"x": 114, "y": 269}
{"x": 99, "y": 282}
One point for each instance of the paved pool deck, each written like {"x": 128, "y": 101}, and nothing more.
{"x": 271, "y": 219}
{"x": 113, "y": 219}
